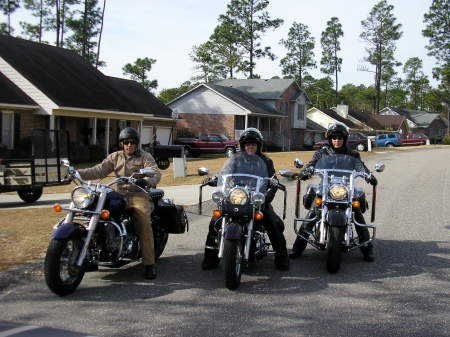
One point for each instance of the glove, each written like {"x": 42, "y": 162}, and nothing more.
{"x": 273, "y": 182}
{"x": 210, "y": 181}
{"x": 372, "y": 180}
{"x": 141, "y": 182}
{"x": 304, "y": 175}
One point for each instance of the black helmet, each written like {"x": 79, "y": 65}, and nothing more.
{"x": 337, "y": 129}
{"x": 128, "y": 133}
{"x": 251, "y": 135}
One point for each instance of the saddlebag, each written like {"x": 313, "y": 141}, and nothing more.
{"x": 173, "y": 217}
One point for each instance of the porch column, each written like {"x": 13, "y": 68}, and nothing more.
{"x": 141, "y": 125}
{"x": 246, "y": 122}
{"x": 107, "y": 137}
{"x": 257, "y": 122}
{"x": 52, "y": 122}
{"x": 94, "y": 131}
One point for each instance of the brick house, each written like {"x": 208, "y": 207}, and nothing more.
{"x": 276, "y": 107}
{"x": 43, "y": 86}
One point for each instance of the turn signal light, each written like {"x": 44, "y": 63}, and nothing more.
{"x": 318, "y": 201}
{"x": 356, "y": 204}
{"x": 217, "y": 213}
{"x": 104, "y": 214}
{"x": 259, "y": 216}
{"x": 57, "y": 208}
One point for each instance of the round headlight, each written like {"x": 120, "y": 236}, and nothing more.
{"x": 217, "y": 196}
{"x": 238, "y": 196}
{"x": 258, "y": 199}
{"x": 338, "y": 192}
{"x": 82, "y": 197}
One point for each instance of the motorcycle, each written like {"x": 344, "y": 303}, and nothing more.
{"x": 98, "y": 230}
{"x": 333, "y": 204}
{"x": 240, "y": 195}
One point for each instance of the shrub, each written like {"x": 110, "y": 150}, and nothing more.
{"x": 446, "y": 140}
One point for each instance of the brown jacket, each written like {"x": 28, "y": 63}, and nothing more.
{"x": 123, "y": 167}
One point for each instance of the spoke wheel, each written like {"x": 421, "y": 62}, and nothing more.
{"x": 232, "y": 262}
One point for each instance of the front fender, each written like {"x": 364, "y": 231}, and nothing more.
{"x": 336, "y": 218}
{"x": 67, "y": 229}
{"x": 232, "y": 231}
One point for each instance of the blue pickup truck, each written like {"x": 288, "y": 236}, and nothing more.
{"x": 388, "y": 140}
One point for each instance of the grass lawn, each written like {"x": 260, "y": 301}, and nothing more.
{"x": 25, "y": 233}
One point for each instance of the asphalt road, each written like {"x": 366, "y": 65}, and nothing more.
{"x": 405, "y": 292}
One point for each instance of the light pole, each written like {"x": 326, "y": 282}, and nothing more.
{"x": 448, "y": 117}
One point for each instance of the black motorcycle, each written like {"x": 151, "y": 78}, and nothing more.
{"x": 240, "y": 195}
{"x": 332, "y": 204}
{"x": 98, "y": 230}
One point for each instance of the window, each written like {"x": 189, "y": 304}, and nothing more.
{"x": 239, "y": 122}
{"x": 300, "y": 112}
{"x": 214, "y": 138}
{"x": 7, "y": 129}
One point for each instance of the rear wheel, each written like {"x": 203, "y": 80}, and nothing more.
{"x": 334, "y": 249}
{"x": 360, "y": 147}
{"x": 160, "y": 241}
{"x": 30, "y": 195}
{"x": 61, "y": 274}
{"x": 390, "y": 145}
{"x": 232, "y": 262}
{"x": 229, "y": 151}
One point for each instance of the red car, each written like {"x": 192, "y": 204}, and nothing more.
{"x": 208, "y": 143}
{"x": 356, "y": 141}
{"x": 414, "y": 139}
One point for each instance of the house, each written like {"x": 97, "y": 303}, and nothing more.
{"x": 392, "y": 123}
{"x": 325, "y": 117}
{"x": 431, "y": 124}
{"x": 42, "y": 86}
{"x": 275, "y": 106}
{"x": 313, "y": 133}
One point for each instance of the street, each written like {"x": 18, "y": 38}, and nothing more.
{"x": 405, "y": 292}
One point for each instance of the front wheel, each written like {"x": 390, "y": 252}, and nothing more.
{"x": 334, "y": 250}
{"x": 390, "y": 145}
{"x": 232, "y": 262}
{"x": 61, "y": 274}
{"x": 30, "y": 195}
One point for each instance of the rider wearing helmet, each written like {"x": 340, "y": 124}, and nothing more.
{"x": 251, "y": 141}
{"x": 337, "y": 135}
{"x": 124, "y": 163}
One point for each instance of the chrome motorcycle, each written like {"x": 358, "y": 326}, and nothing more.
{"x": 98, "y": 230}
{"x": 333, "y": 203}
{"x": 240, "y": 195}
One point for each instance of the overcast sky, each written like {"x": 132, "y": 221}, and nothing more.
{"x": 166, "y": 30}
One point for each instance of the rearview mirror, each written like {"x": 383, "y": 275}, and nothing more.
{"x": 379, "y": 166}
{"x": 298, "y": 163}
{"x": 65, "y": 162}
{"x": 147, "y": 172}
{"x": 203, "y": 171}
{"x": 286, "y": 173}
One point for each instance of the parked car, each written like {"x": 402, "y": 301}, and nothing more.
{"x": 415, "y": 139}
{"x": 356, "y": 141}
{"x": 208, "y": 143}
{"x": 388, "y": 140}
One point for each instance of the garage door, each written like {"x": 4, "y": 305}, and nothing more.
{"x": 163, "y": 135}
{"x": 147, "y": 135}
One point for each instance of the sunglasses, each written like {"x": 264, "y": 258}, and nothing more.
{"x": 337, "y": 137}
{"x": 129, "y": 142}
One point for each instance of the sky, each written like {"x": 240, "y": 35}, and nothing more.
{"x": 166, "y": 30}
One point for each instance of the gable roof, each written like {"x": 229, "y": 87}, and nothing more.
{"x": 261, "y": 88}
{"x": 313, "y": 126}
{"x": 13, "y": 95}
{"x": 67, "y": 79}
{"x": 365, "y": 118}
{"x": 390, "y": 121}
{"x": 333, "y": 114}
{"x": 420, "y": 118}
{"x": 246, "y": 101}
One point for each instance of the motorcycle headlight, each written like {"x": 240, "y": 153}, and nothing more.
{"x": 258, "y": 199}
{"x": 338, "y": 192}
{"x": 82, "y": 197}
{"x": 217, "y": 196}
{"x": 238, "y": 196}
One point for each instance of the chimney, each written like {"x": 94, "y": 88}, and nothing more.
{"x": 342, "y": 110}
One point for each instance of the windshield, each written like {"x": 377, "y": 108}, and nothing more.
{"x": 244, "y": 170}
{"x": 340, "y": 162}
{"x": 223, "y": 138}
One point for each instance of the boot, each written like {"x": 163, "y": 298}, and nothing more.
{"x": 367, "y": 252}
{"x": 282, "y": 261}
{"x": 298, "y": 248}
{"x": 150, "y": 272}
{"x": 210, "y": 259}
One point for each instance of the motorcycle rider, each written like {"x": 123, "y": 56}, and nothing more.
{"x": 337, "y": 136}
{"x": 251, "y": 141}
{"x": 124, "y": 163}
